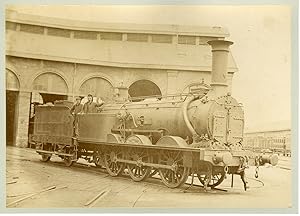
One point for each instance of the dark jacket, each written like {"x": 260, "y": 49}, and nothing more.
{"x": 90, "y": 107}
{"x": 76, "y": 108}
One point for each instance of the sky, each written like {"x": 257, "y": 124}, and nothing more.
{"x": 262, "y": 46}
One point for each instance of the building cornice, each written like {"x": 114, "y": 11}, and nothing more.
{"x": 113, "y": 64}
{"x": 205, "y": 31}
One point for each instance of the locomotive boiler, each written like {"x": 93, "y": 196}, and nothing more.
{"x": 176, "y": 136}
{"x": 210, "y": 113}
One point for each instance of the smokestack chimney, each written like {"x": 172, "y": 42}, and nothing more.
{"x": 220, "y": 50}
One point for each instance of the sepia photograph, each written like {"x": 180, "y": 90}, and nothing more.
{"x": 154, "y": 107}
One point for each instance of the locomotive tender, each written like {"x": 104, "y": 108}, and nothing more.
{"x": 177, "y": 136}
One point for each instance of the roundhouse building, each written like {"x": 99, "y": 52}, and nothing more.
{"x": 50, "y": 59}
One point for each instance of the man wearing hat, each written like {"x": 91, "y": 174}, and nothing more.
{"x": 90, "y": 106}
{"x": 77, "y": 107}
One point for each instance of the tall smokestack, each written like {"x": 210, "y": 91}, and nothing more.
{"x": 220, "y": 50}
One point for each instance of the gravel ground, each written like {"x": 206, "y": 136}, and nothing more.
{"x": 85, "y": 186}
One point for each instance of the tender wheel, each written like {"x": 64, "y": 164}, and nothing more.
{"x": 137, "y": 171}
{"x": 176, "y": 176}
{"x": 68, "y": 161}
{"x": 113, "y": 167}
{"x": 45, "y": 157}
{"x": 216, "y": 179}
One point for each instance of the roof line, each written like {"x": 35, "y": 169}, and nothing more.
{"x": 264, "y": 131}
{"x": 215, "y": 31}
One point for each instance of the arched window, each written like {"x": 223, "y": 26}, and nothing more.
{"x": 143, "y": 88}
{"x": 50, "y": 83}
{"x": 12, "y": 82}
{"x": 98, "y": 87}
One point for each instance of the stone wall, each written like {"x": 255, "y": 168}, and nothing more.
{"x": 62, "y": 58}
{"x": 22, "y": 119}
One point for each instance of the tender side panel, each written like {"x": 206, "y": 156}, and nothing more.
{"x": 96, "y": 126}
{"x": 53, "y": 125}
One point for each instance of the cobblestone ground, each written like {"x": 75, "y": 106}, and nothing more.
{"x": 86, "y": 186}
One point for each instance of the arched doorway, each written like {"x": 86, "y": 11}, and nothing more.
{"x": 143, "y": 88}
{"x": 51, "y": 87}
{"x": 12, "y": 93}
{"x": 98, "y": 87}
{"x": 47, "y": 88}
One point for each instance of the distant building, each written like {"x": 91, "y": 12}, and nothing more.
{"x": 50, "y": 59}
{"x": 276, "y": 138}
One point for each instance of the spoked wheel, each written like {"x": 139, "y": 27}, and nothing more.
{"x": 113, "y": 167}
{"x": 137, "y": 171}
{"x": 176, "y": 176}
{"x": 68, "y": 161}
{"x": 45, "y": 157}
{"x": 100, "y": 160}
{"x": 215, "y": 180}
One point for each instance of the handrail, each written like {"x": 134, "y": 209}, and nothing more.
{"x": 164, "y": 96}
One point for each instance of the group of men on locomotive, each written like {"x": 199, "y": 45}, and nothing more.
{"x": 89, "y": 107}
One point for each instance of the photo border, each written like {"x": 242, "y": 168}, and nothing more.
{"x": 294, "y": 107}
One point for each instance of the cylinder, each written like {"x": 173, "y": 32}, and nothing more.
{"x": 220, "y": 50}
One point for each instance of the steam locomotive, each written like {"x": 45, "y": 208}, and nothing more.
{"x": 176, "y": 136}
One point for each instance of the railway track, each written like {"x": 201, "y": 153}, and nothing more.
{"x": 155, "y": 180}
{"x": 284, "y": 163}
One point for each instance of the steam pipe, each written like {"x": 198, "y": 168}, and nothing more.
{"x": 185, "y": 115}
